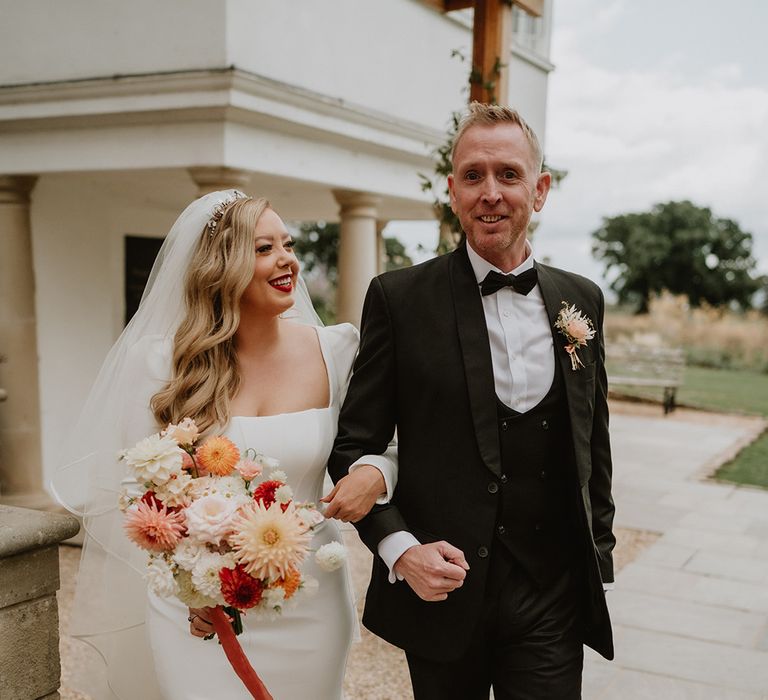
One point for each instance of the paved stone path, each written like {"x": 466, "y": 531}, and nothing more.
{"x": 690, "y": 614}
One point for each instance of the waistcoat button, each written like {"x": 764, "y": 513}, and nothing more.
{"x": 504, "y": 479}
{"x": 543, "y": 474}
{"x": 493, "y": 487}
{"x": 545, "y": 425}
{"x": 504, "y": 425}
{"x": 482, "y": 552}
{"x": 501, "y": 529}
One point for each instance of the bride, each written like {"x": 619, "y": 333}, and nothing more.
{"x": 225, "y": 334}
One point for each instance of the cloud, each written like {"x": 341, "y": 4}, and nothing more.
{"x": 632, "y": 138}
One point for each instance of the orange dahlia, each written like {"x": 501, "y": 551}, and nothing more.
{"x": 218, "y": 455}
{"x": 290, "y": 582}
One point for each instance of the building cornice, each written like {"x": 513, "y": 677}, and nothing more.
{"x": 226, "y": 93}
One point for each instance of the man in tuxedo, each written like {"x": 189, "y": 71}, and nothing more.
{"x": 491, "y": 557}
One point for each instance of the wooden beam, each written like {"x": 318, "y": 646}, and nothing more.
{"x": 487, "y": 51}
{"x": 532, "y": 7}
{"x": 437, "y": 4}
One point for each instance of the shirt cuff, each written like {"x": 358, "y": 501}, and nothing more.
{"x": 388, "y": 470}
{"x": 392, "y": 547}
{"x": 608, "y": 586}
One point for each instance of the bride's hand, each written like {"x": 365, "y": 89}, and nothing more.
{"x": 200, "y": 622}
{"x": 355, "y": 494}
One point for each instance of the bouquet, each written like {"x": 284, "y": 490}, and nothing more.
{"x": 220, "y": 533}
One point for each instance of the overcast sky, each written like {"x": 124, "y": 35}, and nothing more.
{"x": 650, "y": 102}
{"x": 654, "y": 101}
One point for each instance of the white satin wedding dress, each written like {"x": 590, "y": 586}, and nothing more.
{"x": 302, "y": 654}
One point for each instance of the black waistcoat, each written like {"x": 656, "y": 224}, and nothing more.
{"x": 538, "y": 514}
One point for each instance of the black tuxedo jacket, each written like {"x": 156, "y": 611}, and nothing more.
{"x": 424, "y": 367}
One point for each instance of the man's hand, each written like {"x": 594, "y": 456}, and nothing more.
{"x": 355, "y": 494}
{"x": 433, "y": 570}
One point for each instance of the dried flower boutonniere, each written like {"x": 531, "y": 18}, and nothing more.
{"x": 577, "y": 329}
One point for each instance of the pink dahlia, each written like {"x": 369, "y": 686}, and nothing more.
{"x": 153, "y": 528}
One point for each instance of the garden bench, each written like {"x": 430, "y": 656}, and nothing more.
{"x": 642, "y": 366}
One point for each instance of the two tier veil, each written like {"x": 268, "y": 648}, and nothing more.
{"x": 110, "y": 601}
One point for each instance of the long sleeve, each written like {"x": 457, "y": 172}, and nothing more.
{"x": 367, "y": 419}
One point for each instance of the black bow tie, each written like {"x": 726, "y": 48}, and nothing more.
{"x": 522, "y": 283}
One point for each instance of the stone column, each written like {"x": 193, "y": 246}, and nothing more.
{"x": 29, "y": 616}
{"x": 380, "y": 226}
{"x": 358, "y": 252}
{"x": 211, "y": 178}
{"x": 21, "y": 474}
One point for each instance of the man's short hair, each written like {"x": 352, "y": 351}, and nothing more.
{"x": 479, "y": 114}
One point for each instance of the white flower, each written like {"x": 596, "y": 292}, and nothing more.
{"x": 205, "y": 574}
{"x": 185, "y": 433}
{"x": 310, "y": 516}
{"x": 189, "y": 595}
{"x": 278, "y": 475}
{"x": 284, "y": 494}
{"x": 227, "y": 486}
{"x": 331, "y": 556}
{"x": 125, "y": 500}
{"x": 159, "y": 577}
{"x": 175, "y": 491}
{"x": 188, "y": 553}
{"x": 274, "y": 598}
{"x": 154, "y": 459}
{"x": 267, "y": 462}
{"x": 209, "y": 519}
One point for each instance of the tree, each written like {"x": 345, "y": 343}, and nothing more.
{"x": 679, "y": 247}
{"x": 317, "y": 247}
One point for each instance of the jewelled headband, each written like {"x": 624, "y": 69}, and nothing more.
{"x": 220, "y": 208}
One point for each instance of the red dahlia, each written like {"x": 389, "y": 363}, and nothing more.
{"x": 151, "y": 500}
{"x": 240, "y": 589}
{"x": 265, "y": 492}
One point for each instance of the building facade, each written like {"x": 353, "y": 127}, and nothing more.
{"x": 114, "y": 116}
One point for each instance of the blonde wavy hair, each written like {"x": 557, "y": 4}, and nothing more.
{"x": 205, "y": 373}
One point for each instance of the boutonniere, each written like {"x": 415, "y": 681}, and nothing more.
{"x": 577, "y": 329}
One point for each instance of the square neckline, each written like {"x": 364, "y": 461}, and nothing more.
{"x": 328, "y": 376}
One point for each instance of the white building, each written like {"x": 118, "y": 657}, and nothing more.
{"x": 114, "y": 115}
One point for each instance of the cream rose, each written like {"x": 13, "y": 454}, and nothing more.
{"x": 209, "y": 519}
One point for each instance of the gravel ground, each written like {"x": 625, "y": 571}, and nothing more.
{"x": 375, "y": 670}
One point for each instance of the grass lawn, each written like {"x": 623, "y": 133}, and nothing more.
{"x": 724, "y": 390}
{"x": 750, "y": 465}
{"x": 727, "y": 391}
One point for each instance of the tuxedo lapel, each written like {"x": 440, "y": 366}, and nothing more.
{"x": 575, "y": 381}
{"x": 476, "y": 351}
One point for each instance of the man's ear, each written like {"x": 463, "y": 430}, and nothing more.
{"x": 542, "y": 190}
{"x": 451, "y": 193}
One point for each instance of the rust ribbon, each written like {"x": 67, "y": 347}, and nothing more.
{"x": 236, "y": 655}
